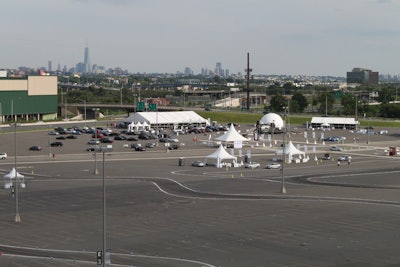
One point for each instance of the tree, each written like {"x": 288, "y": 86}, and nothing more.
{"x": 298, "y": 103}
{"x": 348, "y": 102}
{"x": 278, "y": 102}
{"x": 325, "y": 101}
{"x": 386, "y": 94}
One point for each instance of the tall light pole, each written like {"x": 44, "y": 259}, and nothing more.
{"x": 96, "y": 171}
{"x": 104, "y": 254}
{"x": 17, "y": 216}
{"x": 283, "y": 189}
{"x": 84, "y": 103}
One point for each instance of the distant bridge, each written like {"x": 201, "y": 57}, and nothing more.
{"x": 74, "y": 109}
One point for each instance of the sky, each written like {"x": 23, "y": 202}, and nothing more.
{"x": 294, "y": 37}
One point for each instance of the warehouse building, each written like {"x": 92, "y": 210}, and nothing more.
{"x": 31, "y": 98}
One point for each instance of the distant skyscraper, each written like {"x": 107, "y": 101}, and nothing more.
{"x": 86, "y": 62}
{"x": 49, "y": 66}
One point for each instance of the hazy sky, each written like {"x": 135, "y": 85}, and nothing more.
{"x": 311, "y": 37}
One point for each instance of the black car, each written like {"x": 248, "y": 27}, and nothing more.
{"x": 173, "y": 147}
{"x": 57, "y": 144}
{"x": 120, "y": 137}
{"x": 60, "y": 137}
{"x": 35, "y": 148}
{"x": 106, "y": 140}
{"x": 71, "y": 136}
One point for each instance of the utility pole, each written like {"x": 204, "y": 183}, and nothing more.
{"x": 248, "y": 70}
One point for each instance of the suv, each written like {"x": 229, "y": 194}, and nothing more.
{"x": 3, "y": 155}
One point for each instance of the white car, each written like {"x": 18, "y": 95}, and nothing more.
{"x": 335, "y": 148}
{"x": 3, "y": 155}
{"x": 344, "y": 158}
{"x": 198, "y": 164}
{"x": 273, "y": 165}
{"x": 93, "y": 142}
{"x": 252, "y": 165}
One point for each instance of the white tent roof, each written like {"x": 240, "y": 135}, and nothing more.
{"x": 169, "y": 117}
{"x": 220, "y": 153}
{"x": 269, "y": 118}
{"x": 11, "y": 174}
{"x": 334, "y": 120}
{"x": 290, "y": 150}
{"x": 231, "y": 135}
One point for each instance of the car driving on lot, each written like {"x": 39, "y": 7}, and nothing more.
{"x": 198, "y": 163}
{"x": 252, "y": 165}
{"x": 273, "y": 165}
{"x": 3, "y": 155}
{"x": 344, "y": 158}
{"x": 57, "y": 144}
{"x": 35, "y": 148}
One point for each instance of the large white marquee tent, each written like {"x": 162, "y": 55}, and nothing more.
{"x": 167, "y": 119}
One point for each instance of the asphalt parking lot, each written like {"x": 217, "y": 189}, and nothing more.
{"x": 163, "y": 214}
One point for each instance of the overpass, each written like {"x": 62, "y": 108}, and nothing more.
{"x": 74, "y": 109}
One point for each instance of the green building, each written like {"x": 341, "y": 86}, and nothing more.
{"x": 30, "y": 98}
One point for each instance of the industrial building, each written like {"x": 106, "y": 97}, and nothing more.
{"x": 32, "y": 98}
{"x": 362, "y": 76}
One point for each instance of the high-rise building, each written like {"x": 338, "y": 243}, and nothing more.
{"x": 49, "y": 66}
{"x": 86, "y": 62}
{"x": 362, "y": 76}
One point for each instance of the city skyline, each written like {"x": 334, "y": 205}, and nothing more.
{"x": 307, "y": 37}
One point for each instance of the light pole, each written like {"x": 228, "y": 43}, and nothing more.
{"x": 104, "y": 254}
{"x": 283, "y": 189}
{"x": 368, "y": 132}
{"x": 84, "y": 104}
{"x": 17, "y": 216}
{"x": 96, "y": 171}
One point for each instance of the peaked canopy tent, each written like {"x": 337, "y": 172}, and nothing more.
{"x": 220, "y": 155}
{"x": 232, "y": 136}
{"x": 291, "y": 152}
{"x": 168, "y": 119}
{"x": 10, "y": 176}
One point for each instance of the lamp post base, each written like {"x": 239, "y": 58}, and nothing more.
{"x": 17, "y": 218}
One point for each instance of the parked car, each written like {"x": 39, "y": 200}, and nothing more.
{"x": 273, "y": 165}
{"x": 106, "y": 140}
{"x": 93, "y": 142}
{"x": 120, "y": 138}
{"x": 60, "y": 137}
{"x": 198, "y": 163}
{"x": 3, "y": 155}
{"x": 150, "y": 145}
{"x": 335, "y": 148}
{"x": 35, "y": 148}
{"x": 57, "y": 144}
{"x": 252, "y": 165}
{"x": 132, "y": 138}
{"x": 137, "y": 147}
{"x": 54, "y": 133}
{"x": 71, "y": 136}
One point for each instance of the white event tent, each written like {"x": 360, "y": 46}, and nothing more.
{"x": 167, "y": 119}
{"x": 220, "y": 155}
{"x": 10, "y": 176}
{"x": 291, "y": 152}
{"x": 232, "y": 136}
